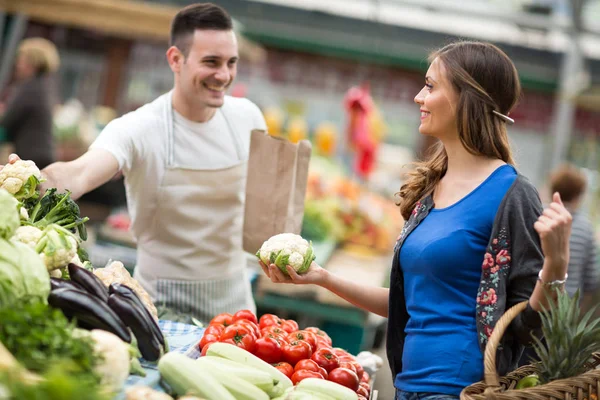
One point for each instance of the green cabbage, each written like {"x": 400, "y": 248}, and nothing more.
{"x": 9, "y": 214}
{"x": 22, "y": 273}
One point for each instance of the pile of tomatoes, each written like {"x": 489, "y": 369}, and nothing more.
{"x": 298, "y": 353}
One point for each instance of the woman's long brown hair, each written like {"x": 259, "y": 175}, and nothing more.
{"x": 486, "y": 80}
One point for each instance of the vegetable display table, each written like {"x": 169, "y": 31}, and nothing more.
{"x": 182, "y": 338}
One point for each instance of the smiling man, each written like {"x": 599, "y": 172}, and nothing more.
{"x": 184, "y": 159}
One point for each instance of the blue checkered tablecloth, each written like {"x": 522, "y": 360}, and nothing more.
{"x": 182, "y": 338}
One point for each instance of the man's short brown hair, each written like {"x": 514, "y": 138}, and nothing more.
{"x": 203, "y": 16}
{"x": 569, "y": 181}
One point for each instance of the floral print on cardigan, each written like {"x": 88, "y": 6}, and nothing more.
{"x": 496, "y": 262}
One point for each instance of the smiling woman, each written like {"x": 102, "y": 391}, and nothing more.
{"x": 474, "y": 240}
{"x": 463, "y": 106}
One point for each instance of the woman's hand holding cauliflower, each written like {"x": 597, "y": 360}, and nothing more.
{"x": 288, "y": 258}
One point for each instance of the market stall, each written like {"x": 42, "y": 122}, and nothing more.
{"x": 71, "y": 330}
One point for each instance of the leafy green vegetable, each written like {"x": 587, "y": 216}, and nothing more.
{"x": 9, "y": 214}
{"x": 39, "y": 337}
{"x": 60, "y": 209}
{"x": 28, "y": 190}
{"x": 22, "y": 273}
{"x": 83, "y": 254}
{"x": 62, "y": 381}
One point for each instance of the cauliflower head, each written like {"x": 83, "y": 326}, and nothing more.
{"x": 287, "y": 249}
{"x": 20, "y": 179}
{"x": 29, "y": 235}
{"x": 57, "y": 247}
{"x": 9, "y": 214}
{"x": 114, "y": 367}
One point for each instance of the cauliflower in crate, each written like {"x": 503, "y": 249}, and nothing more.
{"x": 287, "y": 249}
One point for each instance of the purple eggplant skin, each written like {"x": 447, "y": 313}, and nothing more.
{"x": 58, "y": 283}
{"x": 89, "y": 311}
{"x": 130, "y": 294}
{"x": 134, "y": 318}
{"x": 90, "y": 282}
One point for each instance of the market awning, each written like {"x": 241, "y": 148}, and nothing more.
{"x": 124, "y": 18}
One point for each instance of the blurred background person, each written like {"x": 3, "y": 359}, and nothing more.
{"x": 571, "y": 183}
{"x": 27, "y": 116}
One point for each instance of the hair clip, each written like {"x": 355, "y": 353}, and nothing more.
{"x": 505, "y": 118}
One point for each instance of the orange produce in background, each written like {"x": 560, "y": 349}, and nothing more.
{"x": 326, "y": 138}
{"x": 297, "y": 130}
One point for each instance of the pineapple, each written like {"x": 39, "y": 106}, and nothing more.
{"x": 570, "y": 339}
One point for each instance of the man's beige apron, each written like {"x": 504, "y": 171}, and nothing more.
{"x": 192, "y": 260}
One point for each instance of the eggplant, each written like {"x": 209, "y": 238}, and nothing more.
{"x": 58, "y": 283}
{"x": 89, "y": 311}
{"x": 90, "y": 282}
{"x": 134, "y": 318}
{"x": 130, "y": 294}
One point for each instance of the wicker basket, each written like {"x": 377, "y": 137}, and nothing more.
{"x": 580, "y": 387}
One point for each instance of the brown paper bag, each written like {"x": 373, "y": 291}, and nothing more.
{"x": 275, "y": 188}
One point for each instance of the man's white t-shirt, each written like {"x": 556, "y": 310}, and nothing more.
{"x": 139, "y": 142}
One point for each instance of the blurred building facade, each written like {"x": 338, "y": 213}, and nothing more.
{"x": 310, "y": 57}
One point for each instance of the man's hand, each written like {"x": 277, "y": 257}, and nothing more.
{"x": 13, "y": 158}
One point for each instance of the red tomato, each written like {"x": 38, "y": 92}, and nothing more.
{"x": 279, "y": 339}
{"x": 206, "y": 339}
{"x": 307, "y": 364}
{"x": 348, "y": 365}
{"x": 240, "y": 336}
{"x": 204, "y": 349}
{"x": 285, "y": 369}
{"x": 322, "y": 343}
{"x": 214, "y": 330}
{"x": 231, "y": 330}
{"x": 289, "y": 325}
{"x": 244, "y": 315}
{"x": 303, "y": 374}
{"x": 365, "y": 385}
{"x": 344, "y": 377}
{"x": 267, "y": 349}
{"x": 323, "y": 372}
{"x": 359, "y": 369}
{"x": 361, "y": 391}
{"x": 326, "y": 359}
{"x": 306, "y": 336}
{"x": 296, "y": 351}
{"x": 274, "y": 330}
{"x": 320, "y": 333}
{"x": 347, "y": 358}
{"x": 340, "y": 352}
{"x": 222, "y": 319}
{"x": 250, "y": 325}
{"x": 365, "y": 378}
{"x": 268, "y": 320}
